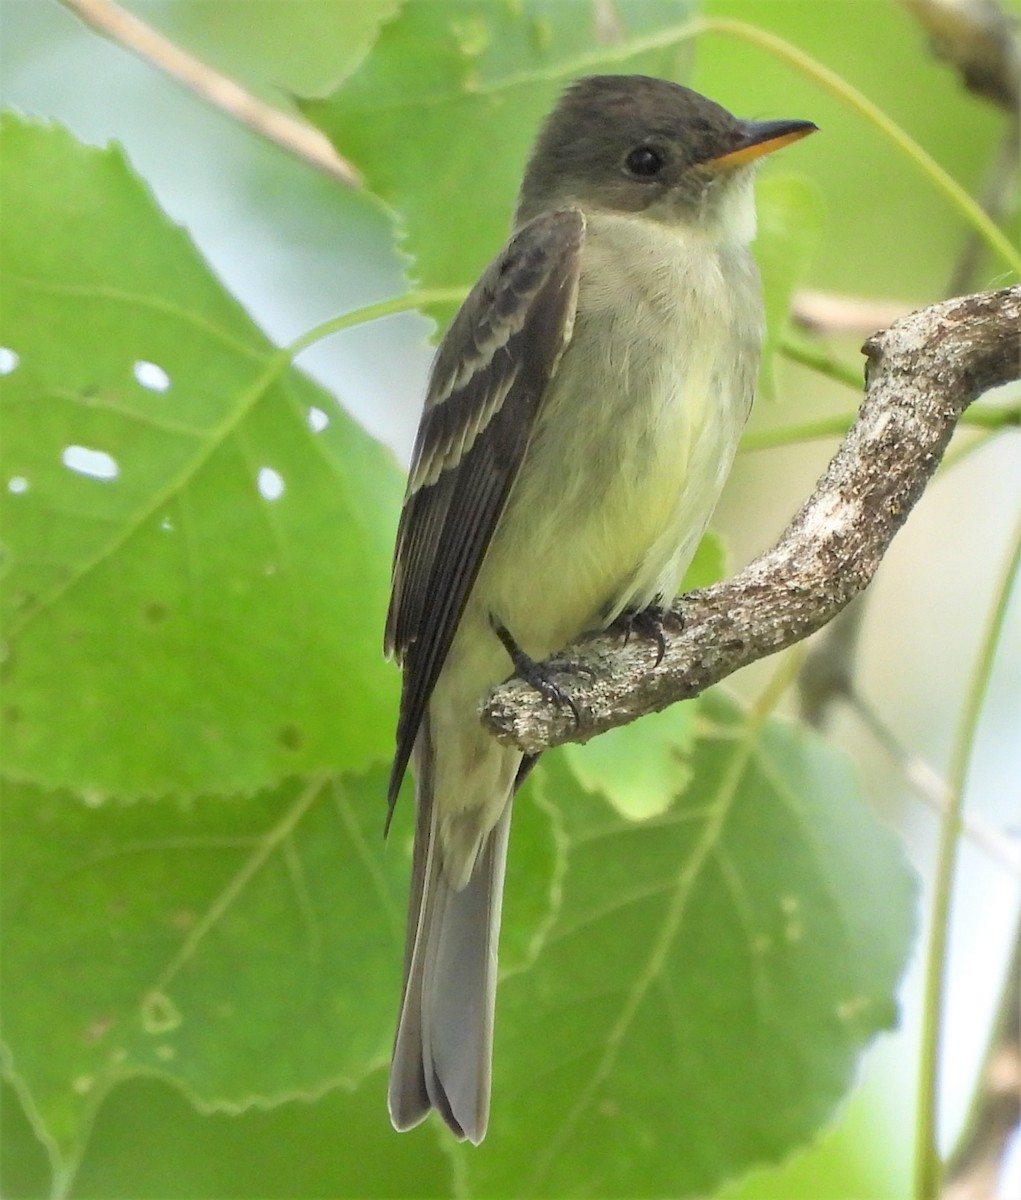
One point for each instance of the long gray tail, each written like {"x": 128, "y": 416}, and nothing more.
{"x": 443, "y": 1051}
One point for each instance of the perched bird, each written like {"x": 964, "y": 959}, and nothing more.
{"x": 582, "y": 415}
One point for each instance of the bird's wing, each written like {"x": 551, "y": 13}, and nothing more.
{"x": 491, "y": 372}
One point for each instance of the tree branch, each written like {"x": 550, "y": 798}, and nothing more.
{"x": 922, "y": 374}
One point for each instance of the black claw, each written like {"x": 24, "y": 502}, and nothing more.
{"x": 532, "y": 673}
{"x": 573, "y": 667}
{"x": 648, "y": 623}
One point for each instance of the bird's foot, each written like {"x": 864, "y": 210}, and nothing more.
{"x": 532, "y": 672}
{"x": 648, "y": 623}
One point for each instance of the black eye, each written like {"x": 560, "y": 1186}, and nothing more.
{"x": 644, "y": 161}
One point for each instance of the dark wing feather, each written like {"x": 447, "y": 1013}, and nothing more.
{"x": 490, "y": 374}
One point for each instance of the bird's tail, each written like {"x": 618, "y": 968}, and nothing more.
{"x": 443, "y": 1050}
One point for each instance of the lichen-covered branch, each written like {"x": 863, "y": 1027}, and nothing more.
{"x": 922, "y": 373}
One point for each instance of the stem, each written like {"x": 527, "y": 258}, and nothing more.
{"x": 970, "y": 209}
{"x": 810, "y": 354}
{"x": 928, "y": 1164}
{"x": 424, "y": 298}
{"x": 803, "y": 431}
{"x": 779, "y": 684}
{"x": 990, "y": 420}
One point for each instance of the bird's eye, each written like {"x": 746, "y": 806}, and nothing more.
{"x": 644, "y": 161}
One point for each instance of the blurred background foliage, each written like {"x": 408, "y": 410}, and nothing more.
{"x": 295, "y": 248}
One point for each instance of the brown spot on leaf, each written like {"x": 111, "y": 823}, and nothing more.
{"x": 290, "y": 737}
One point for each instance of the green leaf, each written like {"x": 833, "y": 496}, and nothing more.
{"x": 187, "y": 565}
{"x": 442, "y": 137}
{"x": 247, "y": 951}
{"x": 710, "y": 981}
{"x": 641, "y": 768}
{"x": 149, "y": 1142}
{"x": 708, "y": 566}
{"x": 278, "y": 44}
{"x": 791, "y": 218}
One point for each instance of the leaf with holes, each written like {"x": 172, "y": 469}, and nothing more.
{"x": 701, "y": 1001}
{"x": 214, "y": 944}
{"x": 248, "y": 951}
{"x": 195, "y": 567}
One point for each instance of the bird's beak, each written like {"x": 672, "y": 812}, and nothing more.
{"x": 762, "y": 137}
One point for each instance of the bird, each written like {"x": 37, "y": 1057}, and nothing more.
{"x": 581, "y": 417}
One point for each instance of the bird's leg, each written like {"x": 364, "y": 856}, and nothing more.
{"x": 531, "y": 671}
{"x": 648, "y": 623}
{"x": 527, "y": 763}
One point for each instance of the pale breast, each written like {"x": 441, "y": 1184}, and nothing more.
{"x": 636, "y": 438}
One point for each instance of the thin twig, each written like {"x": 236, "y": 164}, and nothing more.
{"x": 827, "y": 312}
{"x": 997, "y": 197}
{"x": 926, "y": 783}
{"x": 980, "y": 39}
{"x": 294, "y": 135}
{"x": 929, "y": 1167}
{"x": 974, "y": 1167}
{"x": 922, "y": 374}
